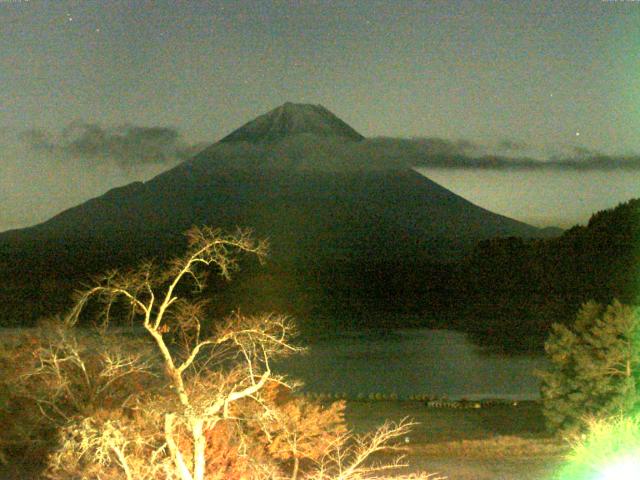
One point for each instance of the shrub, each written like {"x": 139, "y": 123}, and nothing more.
{"x": 53, "y": 375}
{"x": 25, "y": 433}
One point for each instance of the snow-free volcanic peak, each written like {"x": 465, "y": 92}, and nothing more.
{"x": 292, "y": 119}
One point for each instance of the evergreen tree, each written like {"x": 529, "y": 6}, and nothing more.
{"x": 594, "y": 366}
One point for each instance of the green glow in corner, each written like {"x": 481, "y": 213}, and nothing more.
{"x": 610, "y": 451}
{"x": 627, "y": 468}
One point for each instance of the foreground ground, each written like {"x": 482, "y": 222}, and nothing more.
{"x": 502, "y": 442}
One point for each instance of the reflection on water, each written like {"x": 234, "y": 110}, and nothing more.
{"x": 409, "y": 362}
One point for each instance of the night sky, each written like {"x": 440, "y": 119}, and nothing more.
{"x": 546, "y": 80}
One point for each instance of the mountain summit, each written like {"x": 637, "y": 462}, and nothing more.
{"x": 292, "y": 119}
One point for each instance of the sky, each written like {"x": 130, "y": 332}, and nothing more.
{"x": 95, "y": 94}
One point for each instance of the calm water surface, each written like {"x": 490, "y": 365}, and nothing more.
{"x": 409, "y": 362}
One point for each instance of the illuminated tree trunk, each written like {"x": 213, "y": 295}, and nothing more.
{"x": 199, "y": 444}
{"x": 176, "y": 454}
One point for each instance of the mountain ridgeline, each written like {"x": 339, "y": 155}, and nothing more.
{"x": 349, "y": 238}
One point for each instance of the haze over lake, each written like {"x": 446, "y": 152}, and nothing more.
{"x": 440, "y": 363}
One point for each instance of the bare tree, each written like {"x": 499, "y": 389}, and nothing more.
{"x": 222, "y": 387}
{"x": 153, "y": 297}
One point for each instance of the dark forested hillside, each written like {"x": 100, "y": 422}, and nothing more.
{"x": 519, "y": 288}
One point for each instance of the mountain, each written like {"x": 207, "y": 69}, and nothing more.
{"x": 319, "y": 216}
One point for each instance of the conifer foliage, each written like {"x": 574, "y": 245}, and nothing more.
{"x": 594, "y": 367}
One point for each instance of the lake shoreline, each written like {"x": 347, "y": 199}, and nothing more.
{"x": 433, "y": 364}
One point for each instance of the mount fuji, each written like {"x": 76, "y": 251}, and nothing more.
{"x": 289, "y": 176}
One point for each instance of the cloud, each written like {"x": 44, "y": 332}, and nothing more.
{"x": 598, "y": 162}
{"x": 127, "y": 146}
{"x": 42, "y": 173}
{"x": 306, "y": 152}
{"x": 82, "y": 161}
{"x": 130, "y": 147}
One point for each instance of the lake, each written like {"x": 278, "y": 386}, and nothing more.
{"x": 439, "y": 363}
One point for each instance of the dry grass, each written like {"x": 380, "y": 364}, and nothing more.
{"x": 496, "y": 448}
{"x": 501, "y": 442}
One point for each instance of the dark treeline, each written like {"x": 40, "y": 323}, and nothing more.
{"x": 517, "y": 288}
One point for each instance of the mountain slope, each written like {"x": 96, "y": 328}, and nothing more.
{"x": 391, "y": 213}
